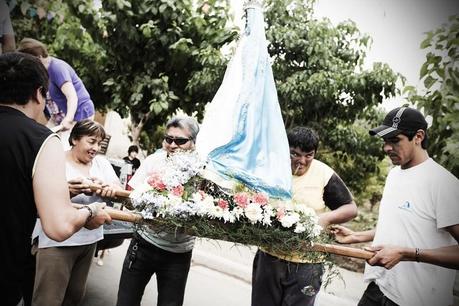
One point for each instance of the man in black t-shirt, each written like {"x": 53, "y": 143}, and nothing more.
{"x": 132, "y": 158}
{"x": 291, "y": 279}
{"x": 32, "y": 179}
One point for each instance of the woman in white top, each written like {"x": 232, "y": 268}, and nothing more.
{"x": 62, "y": 267}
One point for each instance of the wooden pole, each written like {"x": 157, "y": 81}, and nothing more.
{"x": 342, "y": 250}
{"x": 118, "y": 193}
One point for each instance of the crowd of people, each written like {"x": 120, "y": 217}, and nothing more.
{"x": 46, "y": 261}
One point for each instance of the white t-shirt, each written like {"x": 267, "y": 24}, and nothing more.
{"x": 101, "y": 169}
{"x": 417, "y": 204}
{"x": 171, "y": 242}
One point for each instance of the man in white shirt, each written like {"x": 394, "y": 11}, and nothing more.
{"x": 416, "y": 238}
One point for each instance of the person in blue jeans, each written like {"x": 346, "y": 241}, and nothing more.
{"x": 168, "y": 255}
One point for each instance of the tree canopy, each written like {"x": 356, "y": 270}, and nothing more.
{"x": 148, "y": 58}
{"x": 440, "y": 96}
{"x": 140, "y": 58}
{"x": 161, "y": 55}
{"x": 321, "y": 83}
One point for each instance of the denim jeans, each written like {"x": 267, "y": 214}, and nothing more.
{"x": 144, "y": 259}
{"x": 374, "y": 297}
{"x": 277, "y": 282}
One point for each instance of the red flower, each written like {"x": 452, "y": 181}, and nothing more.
{"x": 156, "y": 182}
{"x": 178, "y": 190}
{"x": 223, "y": 204}
{"x": 241, "y": 199}
{"x": 260, "y": 199}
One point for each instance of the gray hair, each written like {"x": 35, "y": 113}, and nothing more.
{"x": 185, "y": 122}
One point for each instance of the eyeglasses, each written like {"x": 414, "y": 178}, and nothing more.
{"x": 178, "y": 140}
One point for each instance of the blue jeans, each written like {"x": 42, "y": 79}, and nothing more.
{"x": 144, "y": 259}
{"x": 277, "y": 282}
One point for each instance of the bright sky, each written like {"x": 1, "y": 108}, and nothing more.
{"x": 397, "y": 28}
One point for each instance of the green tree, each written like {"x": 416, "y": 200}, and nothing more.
{"x": 321, "y": 83}
{"x": 146, "y": 59}
{"x": 162, "y": 55}
{"x": 440, "y": 96}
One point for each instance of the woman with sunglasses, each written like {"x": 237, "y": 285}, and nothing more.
{"x": 62, "y": 267}
{"x": 168, "y": 255}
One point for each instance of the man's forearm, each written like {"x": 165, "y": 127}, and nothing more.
{"x": 363, "y": 236}
{"x": 340, "y": 215}
{"x": 447, "y": 257}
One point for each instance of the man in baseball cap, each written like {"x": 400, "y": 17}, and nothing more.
{"x": 398, "y": 120}
{"x": 418, "y": 225}
{"x": 398, "y": 123}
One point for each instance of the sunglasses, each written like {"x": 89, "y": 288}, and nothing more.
{"x": 178, "y": 140}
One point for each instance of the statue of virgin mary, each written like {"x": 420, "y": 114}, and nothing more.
{"x": 242, "y": 136}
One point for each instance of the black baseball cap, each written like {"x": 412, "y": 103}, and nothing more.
{"x": 398, "y": 120}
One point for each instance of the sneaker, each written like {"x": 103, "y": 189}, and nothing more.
{"x": 100, "y": 262}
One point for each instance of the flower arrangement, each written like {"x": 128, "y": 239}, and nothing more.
{"x": 176, "y": 196}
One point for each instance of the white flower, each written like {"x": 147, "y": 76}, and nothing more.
{"x": 173, "y": 200}
{"x": 299, "y": 228}
{"x": 268, "y": 214}
{"x": 216, "y": 212}
{"x": 289, "y": 219}
{"x": 228, "y": 216}
{"x": 137, "y": 193}
{"x": 196, "y": 197}
{"x": 253, "y": 212}
{"x": 237, "y": 212}
{"x": 305, "y": 210}
{"x": 316, "y": 230}
{"x": 208, "y": 202}
{"x": 266, "y": 220}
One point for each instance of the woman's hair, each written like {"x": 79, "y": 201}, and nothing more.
{"x": 86, "y": 127}
{"x": 33, "y": 46}
{"x": 185, "y": 122}
{"x": 20, "y": 77}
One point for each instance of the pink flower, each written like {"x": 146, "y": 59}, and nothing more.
{"x": 156, "y": 182}
{"x": 178, "y": 190}
{"x": 203, "y": 194}
{"x": 241, "y": 199}
{"x": 280, "y": 213}
{"x": 223, "y": 204}
{"x": 260, "y": 199}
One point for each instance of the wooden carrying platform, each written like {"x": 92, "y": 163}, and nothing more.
{"x": 128, "y": 216}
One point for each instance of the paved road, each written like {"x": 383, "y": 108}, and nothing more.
{"x": 220, "y": 275}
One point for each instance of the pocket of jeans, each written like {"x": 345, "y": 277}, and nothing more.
{"x": 309, "y": 279}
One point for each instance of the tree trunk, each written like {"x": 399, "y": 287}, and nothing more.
{"x": 137, "y": 127}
